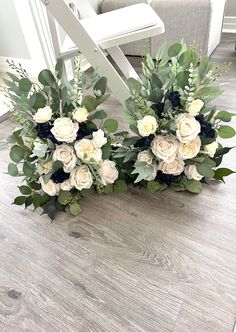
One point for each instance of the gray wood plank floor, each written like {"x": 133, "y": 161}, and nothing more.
{"x": 131, "y": 262}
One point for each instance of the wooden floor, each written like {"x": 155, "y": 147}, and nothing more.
{"x": 132, "y": 262}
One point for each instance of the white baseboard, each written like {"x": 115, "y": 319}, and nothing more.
{"x": 229, "y": 25}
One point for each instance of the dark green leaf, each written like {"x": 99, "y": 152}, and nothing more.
{"x": 46, "y": 78}
{"x": 134, "y": 86}
{"x": 100, "y": 87}
{"x": 59, "y": 68}
{"x": 205, "y": 170}
{"x": 25, "y": 190}
{"x": 186, "y": 58}
{"x": 17, "y": 153}
{"x": 110, "y": 125}
{"x": 134, "y": 129}
{"x": 98, "y": 115}
{"x": 90, "y": 103}
{"x": 156, "y": 96}
{"x": 64, "y": 197}
{"x": 108, "y": 189}
{"x": 120, "y": 186}
{"x": 87, "y": 192}
{"x": 19, "y": 200}
{"x": 28, "y": 169}
{"x": 155, "y": 81}
{"x": 194, "y": 186}
{"x": 224, "y": 116}
{"x": 174, "y": 50}
{"x": 25, "y": 85}
{"x": 220, "y": 173}
{"x": 106, "y": 151}
{"x": 75, "y": 209}
{"x": 226, "y": 132}
{"x": 182, "y": 78}
{"x": 12, "y": 169}
{"x": 37, "y": 101}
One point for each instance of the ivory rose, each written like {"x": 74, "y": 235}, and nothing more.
{"x": 43, "y": 115}
{"x": 192, "y": 173}
{"x": 44, "y": 167}
{"x": 80, "y": 115}
{"x": 191, "y": 149}
{"x": 195, "y": 107}
{"x": 187, "y": 128}
{"x": 66, "y": 185}
{"x": 165, "y": 148}
{"x": 50, "y": 188}
{"x": 176, "y": 167}
{"x": 66, "y": 155}
{"x": 108, "y": 172}
{"x": 65, "y": 130}
{"x": 211, "y": 149}
{"x": 81, "y": 177}
{"x": 99, "y": 138}
{"x": 86, "y": 150}
{"x": 148, "y": 125}
{"x": 145, "y": 156}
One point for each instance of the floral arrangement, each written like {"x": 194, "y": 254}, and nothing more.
{"x": 66, "y": 148}
{"x": 63, "y": 148}
{"x": 175, "y": 124}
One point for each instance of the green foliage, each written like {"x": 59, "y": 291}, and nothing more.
{"x": 120, "y": 186}
{"x": 135, "y": 86}
{"x": 25, "y": 85}
{"x": 155, "y": 186}
{"x": 100, "y": 87}
{"x": 110, "y": 125}
{"x": 25, "y": 190}
{"x": 174, "y": 50}
{"x": 220, "y": 173}
{"x": 46, "y": 78}
{"x": 64, "y": 197}
{"x": 17, "y": 153}
{"x": 194, "y": 186}
{"x": 226, "y": 132}
{"x": 12, "y": 169}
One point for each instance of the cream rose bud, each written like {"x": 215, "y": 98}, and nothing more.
{"x": 50, "y": 188}
{"x": 81, "y": 114}
{"x": 195, "y": 107}
{"x": 44, "y": 167}
{"x": 66, "y": 155}
{"x": 145, "y": 156}
{"x": 99, "y": 138}
{"x": 148, "y": 125}
{"x": 65, "y": 130}
{"x": 81, "y": 178}
{"x": 176, "y": 167}
{"x": 187, "y": 128}
{"x": 43, "y": 115}
{"x": 191, "y": 149}
{"x": 87, "y": 150}
{"x": 192, "y": 173}
{"x": 108, "y": 172}
{"x": 66, "y": 185}
{"x": 211, "y": 149}
{"x": 165, "y": 148}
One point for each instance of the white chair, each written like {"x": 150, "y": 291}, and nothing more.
{"x": 97, "y": 34}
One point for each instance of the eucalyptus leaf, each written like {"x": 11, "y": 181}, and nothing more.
{"x": 110, "y": 125}
{"x": 174, "y": 50}
{"x": 226, "y": 132}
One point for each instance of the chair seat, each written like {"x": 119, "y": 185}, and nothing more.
{"x": 122, "y": 25}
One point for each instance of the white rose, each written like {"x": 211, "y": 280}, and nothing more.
{"x": 192, "y": 173}
{"x": 64, "y": 130}
{"x": 195, "y": 107}
{"x": 191, "y": 149}
{"x": 211, "y": 149}
{"x": 86, "y": 150}
{"x": 44, "y": 167}
{"x": 50, "y": 188}
{"x": 108, "y": 172}
{"x": 145, "y": 156}
{"x": 81, "y": 177}
{"x": 187, "y": 128}
{"x": 176, "y": 167}
{"x": 99, "y": 138}
{"x": 43, "y": 115}
{"x": 165, "y": 148}
{"x": 66, "y": 155}
{"x": 81, "y": 114}
{"x": 66, "y": 185}
{"x": 148, "y": 125}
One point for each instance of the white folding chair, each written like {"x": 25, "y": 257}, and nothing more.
{"x": 97, "y": 34}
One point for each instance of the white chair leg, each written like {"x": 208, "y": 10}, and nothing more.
{"x": 88, "y": 47}
{"x": 122, "y": 62}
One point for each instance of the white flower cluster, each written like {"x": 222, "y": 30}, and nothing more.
{"x": 172, "y": 151}
{"x": 78, "y": 157}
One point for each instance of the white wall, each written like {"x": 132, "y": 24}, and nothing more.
{"x": 231, "y": 8}
{"x": 12, "y": 41}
